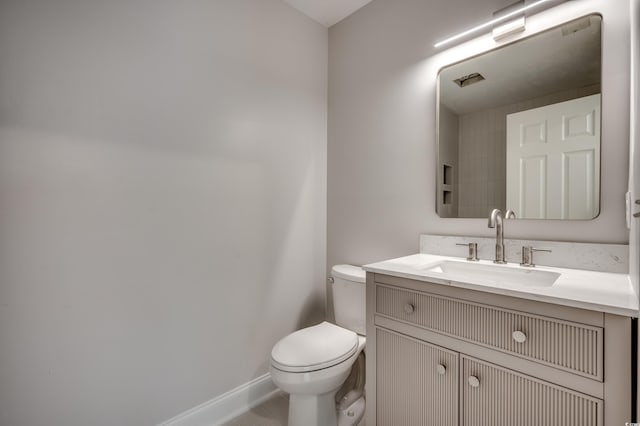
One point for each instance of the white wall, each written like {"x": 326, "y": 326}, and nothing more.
{"x": 634, "y": 151}
{"x": 381, "y": 149}
{"x": 634, "y": 175}
{"x": 162, "y": 193}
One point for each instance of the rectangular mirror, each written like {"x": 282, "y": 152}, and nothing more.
{"x": 518, "y": 128}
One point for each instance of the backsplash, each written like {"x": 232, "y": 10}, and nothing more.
{"x": 588, "y": 256}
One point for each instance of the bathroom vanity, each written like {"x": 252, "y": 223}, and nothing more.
{"x": 449, "y": 346}
{"x": 476, "y": 343}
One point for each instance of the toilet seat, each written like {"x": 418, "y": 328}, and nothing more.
{"x": 314, "y": 348}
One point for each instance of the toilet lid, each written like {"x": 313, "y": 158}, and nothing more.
{"x": 314, "y": 348}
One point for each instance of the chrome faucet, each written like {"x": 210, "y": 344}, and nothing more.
{"x": 495, "y": 221}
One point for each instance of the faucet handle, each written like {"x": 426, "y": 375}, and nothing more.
{"x": 527, "y": 256}
{"x": 473, "y": 251}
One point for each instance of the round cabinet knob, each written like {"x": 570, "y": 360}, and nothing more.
{"x": 409, "y": 308}
{"x": 474, "y": 382}
{"x": 441, "y": 369}
{"x": 519, "y": 336}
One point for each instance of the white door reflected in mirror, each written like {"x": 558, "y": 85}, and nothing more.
{"x": 553, "y": 160}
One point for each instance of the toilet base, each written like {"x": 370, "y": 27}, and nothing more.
{"x": 313, "y": 410}
{"x": 353, "y": 414}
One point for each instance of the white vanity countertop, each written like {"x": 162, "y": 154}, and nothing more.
{"x": 598, "y": 291}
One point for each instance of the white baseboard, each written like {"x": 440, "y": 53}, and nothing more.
{"x": 227, "y": 406}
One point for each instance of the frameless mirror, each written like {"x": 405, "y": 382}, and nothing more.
{"x": 519, "y": 127}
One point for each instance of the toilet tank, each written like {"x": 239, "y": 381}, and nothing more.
{"x": 348, "y": 290}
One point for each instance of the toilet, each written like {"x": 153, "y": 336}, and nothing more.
{"x": 312, "y": 364}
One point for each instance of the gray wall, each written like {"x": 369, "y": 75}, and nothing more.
{"x": 448, "y": 156}
{"x": 382, "y": 75}
{"x": 163, "y": 199}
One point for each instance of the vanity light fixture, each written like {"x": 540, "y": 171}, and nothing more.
{"x": 499, "y": 18}
{"x": 513, "y": 25}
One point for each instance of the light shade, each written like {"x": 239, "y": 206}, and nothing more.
{"x": 501, "y": 19}
{"x": 515, "y": 23}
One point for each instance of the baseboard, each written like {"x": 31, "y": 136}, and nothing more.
{"x": 227, "y": 406}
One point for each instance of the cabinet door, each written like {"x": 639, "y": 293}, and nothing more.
{"x": 495, "y": 396}
{"x": 416, "y": 383}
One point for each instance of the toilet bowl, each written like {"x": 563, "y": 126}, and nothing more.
{"x": 312, "y": 364}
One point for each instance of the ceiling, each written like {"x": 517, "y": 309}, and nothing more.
{"x": 566, "y": 57}
{"x": 327, "y": 12}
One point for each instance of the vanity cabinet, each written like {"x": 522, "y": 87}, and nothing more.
{"x": 566, "y": 345}
{"x": 417, "y": 382}
{"x": 441, "y": 355}
{"x": 495, "y": 396}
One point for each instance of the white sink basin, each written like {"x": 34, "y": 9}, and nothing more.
{"x": 497, "y": 274}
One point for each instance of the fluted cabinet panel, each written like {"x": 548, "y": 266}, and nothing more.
{"x": 566, "y": 345}
{"x": 494, "y": 396}
{"x": 412, "y": 390}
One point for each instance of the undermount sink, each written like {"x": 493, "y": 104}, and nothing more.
{"x": 495, "y": 273}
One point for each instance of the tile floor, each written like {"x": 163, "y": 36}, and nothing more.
{"x": 274, "y": 412}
